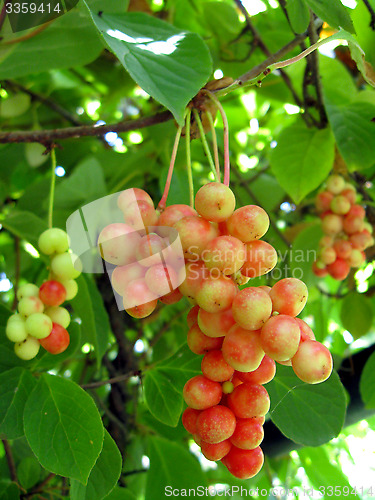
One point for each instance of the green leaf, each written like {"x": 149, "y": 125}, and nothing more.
{"x": 88, "y": 305}
{"x": 103, "y": 476}
{"x": 354, "y": 132}
{"x": 308, "y": 414}
{"x": 299, "y": 15}
{"x": 63, "y": 427}
{"x": 171, "y": 466}
{"x": 25, "y": 225}
{"x": 9, "y": 491}
{"x": 302, "y": 159}
{"x": 69, "y": 194}
{"x": 323, "y": 474}
{"x": 119, "y": 493}
{"x": 164, "y": 383}
{"x": 16, "y": 385}
{"x": 338, "y": 84}
{"x": 303, "y": 253}
{"x": 356, "y": 314}
{"x": 69, "y": 41}
{"x": 367, "y": 382}
{"x": 333, "y": 12}
{"x": 222, "y": 19}
{"x": 169, "y": 64}
{"x": 28, "y": 472}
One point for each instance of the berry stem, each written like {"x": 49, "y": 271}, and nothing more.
{"x": 188, "y": 158}
{"x": 163, "y": 200}
{"x": 52, "y": 188}
{"x": 214, "y": 144}
{"x": 225, "y": 136}
{"x": 205, "y": 143}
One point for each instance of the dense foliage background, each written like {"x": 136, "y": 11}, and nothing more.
{"x": 102, "y": 420}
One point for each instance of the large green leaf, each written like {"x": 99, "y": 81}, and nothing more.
{"x": 333, "y": 12}
{"x": 88, "y": 304}
{"x": 356, "y": 314}
{"x": 9, "y": 491}
{"x": 367, "y": 382}
{"x": 325, "y": 476}
{"x": 16, "y": 385}
{"x": 299, "y": 15}
{"x": 303, "y": 253}
{"x": 163, "y": 385}
{"x": 25, "y": 225}
{"x": 169, "y": 64}
{"x": 28, "y": 472}
{"x": 308, "y": 414}
{"x": 171, "y": 466}
{"x": 354, "y": 131}
{"x": 69, "y": 193}
{"x": 63, "y": 427}
{"x": 69, "y": 41}
{"x": 302, "y": 159}
{"x": 103, "y": 476}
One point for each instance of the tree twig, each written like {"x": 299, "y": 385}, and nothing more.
{"x": 17, "y": 270}
{"x": 113, "y": 380}
{"x": 313, "y": 68}
{"x": 3, "y": 13}
{"x": 10, "y": 461}
{"x": 48, "y": 136}
{"x": 272, "y": 58}
{"x": 372, "y": 13}
{"x": 70, "y": 117}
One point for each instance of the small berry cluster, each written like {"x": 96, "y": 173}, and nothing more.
{"x": 241, "y": 333}
{"x": 346, "y": 232}
{"x": 40, "y": 320}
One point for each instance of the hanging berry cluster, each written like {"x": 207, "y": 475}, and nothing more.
{"x": 40, "y": 320}
{"x": 347, "y": 234}
{"x": 241, "y": 333}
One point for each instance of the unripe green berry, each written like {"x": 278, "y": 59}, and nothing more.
{"x": 66, "y": 266}
{"x": 27, "y": 290}
{"x": 52, "y": 241}
{"x": 16, "y": 329}
{"x": 30, "y": 305}
{"x": 39, "y": 325}
{"x": 27, "y": 349}
{"x": 59, "y": 315}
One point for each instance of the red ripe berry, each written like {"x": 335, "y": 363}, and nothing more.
{"x": 172, "y": 297}
{"x": 192, "y": 316}
{"x": 57, "y": 341}
{"x": 261, "y": 375}
{"x": 244, "y": 464}
{"x": 201, "y": 393}
{"x": 319, "y": 271}
{"x": 249, "y": 400}
{"x": 289, "y": 296}
{"x": 189, "y": 420}
{"x": 339, "y": 270}
{"x": 215, "y": 367}
{"x": 52, "y": 293}
{"x": 216, "y": 451}
{"x": 216, "y": 424}
{"x": 248, "y": 434}
{"x": 199, "y": 343}
{"x": 342, "y": 248}
{"x": 174, "y": 213}
{"x": 350, "y": 194}
{"x": 323, "y": 201}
